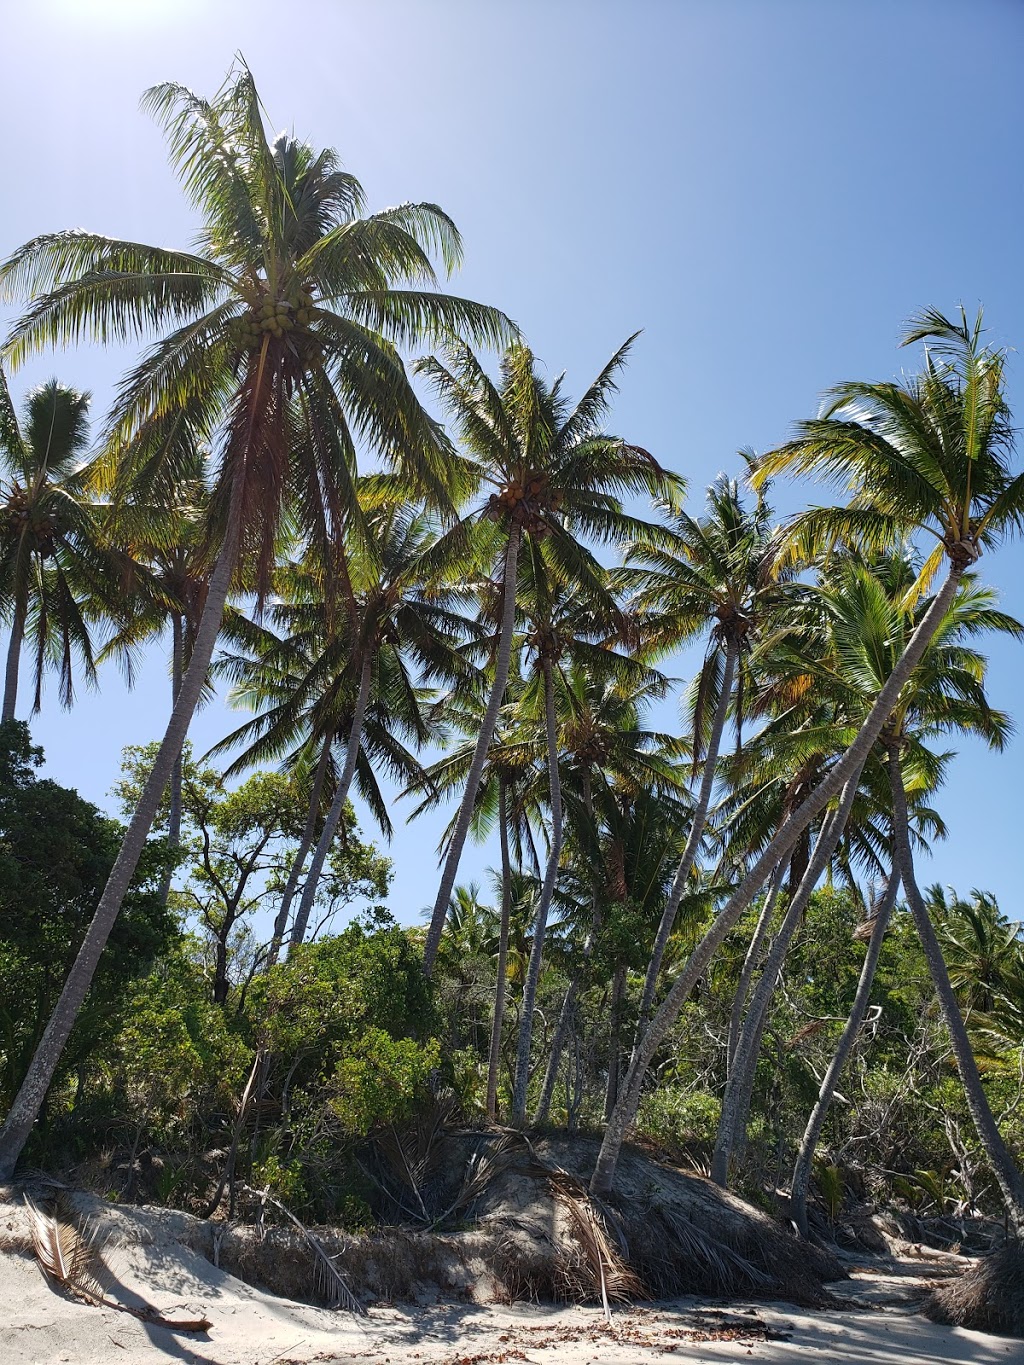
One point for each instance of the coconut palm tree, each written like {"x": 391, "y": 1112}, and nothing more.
{"x": 51, "y": 552}
{"x": 930, "y": 455}
{"x": 557, "y": 478}
{"x": 278, "y": 348}
{"x": 865, "y": 628}
{"x": 719, "y": 568}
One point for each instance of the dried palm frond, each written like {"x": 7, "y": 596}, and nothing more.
{"x": 68, "y": 1250}
{"x": 609, "y": 1273}
{"x": 330, "y": 1282}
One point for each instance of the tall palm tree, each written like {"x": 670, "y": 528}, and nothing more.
{"x": 931, "y": 455}
{"x": 558, "y": 477}
{"x": 719, "y": 568}
{"x": 51, "y": 553}
{"x": 285, "y": 325}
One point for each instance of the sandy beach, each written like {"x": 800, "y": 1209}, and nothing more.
{"x": 871, "y": 1322}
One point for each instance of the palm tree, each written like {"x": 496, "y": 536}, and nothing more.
{"x": 284, "y": 325}
{"x": 611, "y": 757}
{"x": 51, "y": 553}
{"x": 557, "y": 477}
{"x": 719, "y": 568}
{"x": 931, "y": 455}
{"x": 165, "y": 545}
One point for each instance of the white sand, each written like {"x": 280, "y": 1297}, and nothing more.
{"x": 41, "y": 1324}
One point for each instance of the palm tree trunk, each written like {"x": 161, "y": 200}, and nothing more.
{"x": 1008, "y": 1177}
{"x": 301, "y": 854}
{"x": 611, "y": 1091}
{"x": 476, "y": 770}
{"x": 782, "y": 844}
{"x": 732, "y": 1127}
{"x": 547, "y": 891}
{"x": 501, "y": 984}
{"x": 569, "y": 1003}
{"x": 809, "y": 1142}
{"x": 700, "y": 815}
{"x": 750, "y": 964}
{"x": 174, "y": 813}
{"x": 30, "y": 1097}
{"x": 14, "y": 660}
{"x": 329, "y": 830}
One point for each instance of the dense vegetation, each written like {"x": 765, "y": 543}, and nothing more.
{"x": 712, "y": 936}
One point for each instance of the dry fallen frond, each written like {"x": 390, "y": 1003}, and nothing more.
{"x": 69, "y": 1252}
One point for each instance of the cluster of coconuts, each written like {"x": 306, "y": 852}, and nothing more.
{"x": 274, "y": 315}
{"x": 17, "y": 514}
{"x": 525, "y": 502}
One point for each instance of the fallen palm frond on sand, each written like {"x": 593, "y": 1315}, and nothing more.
{"x": 68, "y": 1250}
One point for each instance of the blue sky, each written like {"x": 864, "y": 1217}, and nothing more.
{"x": 766, "y": 189}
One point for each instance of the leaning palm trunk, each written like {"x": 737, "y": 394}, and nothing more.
{"x": 501, "y": 984}
{"x": 809, "y": 1142}
{"x": 700, "y": 815}
{"x": 14, "y": 660}
{"x": 30, "y": 1097}
{"x": 750, "y": 965}
{"x": 301, "y": 854}
{"x": 476, "y": 770}
{"x": 568, "y": 1009}
{"x": 355, "y": 737}
{"x": 853, "y": 761}
{"x": 732, "y": 1127}
{"x": 174, "y": 812}
{"x": 611, "y": 1090}
{"x": 547, "y": 891}
{"x": 1007, "y": 1176}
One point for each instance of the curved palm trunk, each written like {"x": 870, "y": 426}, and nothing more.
{"x": 501, "y": 984}
{"x": 783, "y": 843}
{"x": 569, "y": 1003}
{"x": 174, "y": 813}
{"x": 301, "y": 854}
{"x": 750, "y": 963}
{"x": 809, "y": 1141}
{"x": 547, "y": 891}
{"x": 700, "y": 815}
{"x": 476, "y": 770}
{"x": 330, "y": 828}
{"x": 732, "y": 1127}
{"x": 1007, "y": 1176}
{"x": 14, "y": 659}
{"x": 29, "y": 1100}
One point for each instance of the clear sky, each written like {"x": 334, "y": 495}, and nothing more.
{"x": 768, "y": 188}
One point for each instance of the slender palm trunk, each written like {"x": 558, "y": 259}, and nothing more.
{"x": 174, "y": 812}
{"x": 750, "y": 965}
{"x": 700, "y": 815}
{"x": 782, "y": 844}
{"x": 547, "y": 891}
{"x": 611, "y": 1090}
{"x": 809, "y": 1142}
{"x": 14, "y": 659}
{"x": 30, "y": 1097}
{"x": 301, "y": 854}
{"x": 476, "y": 770}
{"x": 732, "y": 1127}
{"x": 501, "y": 983}
{"x": 1007, "y": 1176}
{"x": 333, "y": 819}
{"x": 575, "y": 983}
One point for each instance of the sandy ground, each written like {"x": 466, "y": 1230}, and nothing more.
{"x": 39, "y": 1323}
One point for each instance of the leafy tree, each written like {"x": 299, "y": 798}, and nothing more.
{"x": 55, "y": 854}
